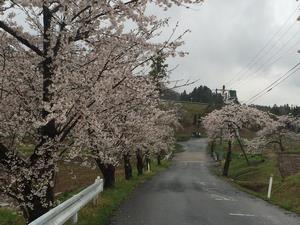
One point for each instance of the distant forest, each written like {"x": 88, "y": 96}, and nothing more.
{"x": 280, "y": 110}
{"x": 204, "y": 94}
{"x": 201, "y": 94}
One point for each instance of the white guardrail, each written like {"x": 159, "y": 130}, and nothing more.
{"x": 167, "y": 157}
{"x": 70, "y": 208}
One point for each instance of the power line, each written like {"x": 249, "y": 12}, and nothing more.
{"x": 282, "y": 78}
{"x": 272, "y": 88}
{"x": 253, "y": 60}
{"x": 244, "y": 74}
{"x": 269, "y": 62}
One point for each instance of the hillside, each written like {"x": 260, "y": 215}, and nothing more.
{"x": 191, "y": 113}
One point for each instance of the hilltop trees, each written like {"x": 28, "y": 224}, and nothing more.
{"x": 59, "y": 73}
{"x": 280, "y": 110}
{"x": 203, "y": 94}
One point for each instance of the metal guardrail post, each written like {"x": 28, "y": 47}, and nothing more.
{"x": 95, "y": 199}
{"x": 167, "y": 157}
{"x": 69, "y": 209}
{"x": 75, "y": 218}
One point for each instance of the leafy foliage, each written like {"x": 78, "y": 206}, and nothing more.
{"x": 204, "y": 95}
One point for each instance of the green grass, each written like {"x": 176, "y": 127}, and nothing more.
{"x": 26, "y": 149}
{"x": 178, "y": 148}
{"x": 182, "y": 136}
{"x": 192, "y": 109}
{"x": 188, "y": 126}
{"x": 9, "y": 217}
{"x": 287, "y": 193}
{"x": 255, "y": 179}
{"x": 111, "y": 199}
{"x": 256, "y": 175}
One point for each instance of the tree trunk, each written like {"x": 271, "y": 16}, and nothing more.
{"x": 42, "y": 204}
{"x": 127, "y": 167}
{"x": 147, "y": 160}
{"x": 281, "y": 145}
{"x": 227, "y": 161}
{"x": 139, "y": 162}
{"x": 158, "y": 159}
{"x": 37, "y": 189}
{"x": 212, "y": 148}
{"x": 108, "y": 172}
{"x": 38, "y": 208}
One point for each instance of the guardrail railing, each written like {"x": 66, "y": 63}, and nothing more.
{"x": 69, "y": 209}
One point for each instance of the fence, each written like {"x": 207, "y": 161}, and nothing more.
{"x": 70, "y": 208}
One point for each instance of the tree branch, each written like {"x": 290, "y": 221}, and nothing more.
{"x": 21, "y": 39}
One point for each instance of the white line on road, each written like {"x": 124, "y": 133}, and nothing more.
{"x": 222, "y": 198}
{"x": 240, "y": 214}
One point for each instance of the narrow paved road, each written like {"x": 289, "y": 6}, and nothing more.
{"x": 188, "y": 194}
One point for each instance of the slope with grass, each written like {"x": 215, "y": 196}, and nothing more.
{"x": 189, "y": 110}
{"x": 254, "y": 178}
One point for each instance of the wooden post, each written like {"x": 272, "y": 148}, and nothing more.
{"x": 270, "y": 186}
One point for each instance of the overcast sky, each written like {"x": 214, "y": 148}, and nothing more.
{"x": 226, "y": 35}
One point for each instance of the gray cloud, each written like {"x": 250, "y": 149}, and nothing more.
{"x": 227, "y": 34}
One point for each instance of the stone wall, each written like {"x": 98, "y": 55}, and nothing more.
{"x": 289, "y": 164}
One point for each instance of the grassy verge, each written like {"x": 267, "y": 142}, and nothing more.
{"x": 9, "y": 217}
{"x": 111, "y": 199}
{"x": 254, "y": 179}
{"x": 182, "y": 136}
{"x": 178, "y": 148}
{"x": 108, "y": 203}
{"x": 187, "y": 122}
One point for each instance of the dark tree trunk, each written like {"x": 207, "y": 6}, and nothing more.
{"x": 158, "y": 159}
{"x": 139, "y": 162}
{"x": 147, "y": 161}
{"x": 281, "y": 145}
{"x": 127, "y": 167}
{"x": 44, "y": 176}
{"x": 228, "y": 160}
{"x": 108, "y": 172}
{"x": 38, "y": 209}
{"x": 212, "y": 148}
{"x": 41, "y": 205}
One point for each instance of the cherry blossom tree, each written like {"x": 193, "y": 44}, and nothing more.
{"x": 277, "y": 130}
{"x": 227, "y": 122}
{"x": 114, "y": 135}
{"x": 144, "y": 130}
{"x": 64, "y": 61}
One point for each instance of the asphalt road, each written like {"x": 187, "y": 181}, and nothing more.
{"x": 188, "y": 194}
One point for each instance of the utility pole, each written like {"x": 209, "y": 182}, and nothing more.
{"x": 229, "y": 96}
